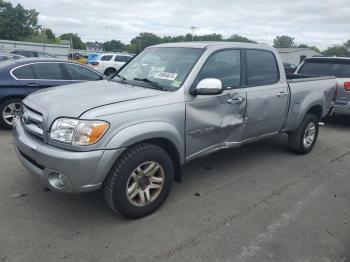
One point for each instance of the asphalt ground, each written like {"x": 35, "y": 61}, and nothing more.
{"x": 259, "y": 202}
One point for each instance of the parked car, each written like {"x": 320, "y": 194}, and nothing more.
{"x": 289, "y": 68}
{"x": 6, "y": 56}
{"x": 108, "y": 63}
{"x": 18, "y": 78}
{"x": 92, "y": 58}
{"x": 29, "y": 53}
{"x": 332, "y": 66}
{"x": 169, "y": 105}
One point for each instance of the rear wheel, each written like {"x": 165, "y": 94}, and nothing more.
{"x": 110, "y": 71}
{"x": 304, "y": 138}
{"x": 9, "y": 110}
{"x": 139, "y": 181}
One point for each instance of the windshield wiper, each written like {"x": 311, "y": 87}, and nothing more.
{"x": 150, "y": 82}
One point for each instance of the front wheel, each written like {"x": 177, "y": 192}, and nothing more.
{"x": 140, "y": 181}
{"x": 9, "y": 109}
{"x": 304, "y": 138}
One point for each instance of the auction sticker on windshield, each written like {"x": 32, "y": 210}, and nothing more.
{"x": 166, "y": 76}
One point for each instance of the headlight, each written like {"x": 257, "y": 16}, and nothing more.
{"x": 78, "y": 132}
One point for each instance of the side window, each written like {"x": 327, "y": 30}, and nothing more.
{"x": 24, "y": 72}
{"x": 223, "y": 65}
{"x": 262, "y": 68}
{"x": 23, "y": 53}
{"x": 106, "y": 58}
{"x": 127, "y": 58}
{"x": 120, "y": 58}
{"x": 50, "y": 71}
{"x": 78, "y": 72}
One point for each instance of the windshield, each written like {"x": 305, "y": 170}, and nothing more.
{"x": 326, "y": 68}
{"x": 164, "y": 68}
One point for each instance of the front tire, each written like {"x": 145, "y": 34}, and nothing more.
{"x": 110, "y": 71}
{"x": 302, "y": 140}
{"x": 8, "y": 111}
{"x": 140, "y": 181}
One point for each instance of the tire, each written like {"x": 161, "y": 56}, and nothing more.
{"x": 122, "y": 176}
{"x": 8, "y": 109}
{"x": 110, "y": 71}
{"x": 300, "y": 140}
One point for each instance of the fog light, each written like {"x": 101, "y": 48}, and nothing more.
{"x": 57, "y": 180}
{"x": 61, "y": 180}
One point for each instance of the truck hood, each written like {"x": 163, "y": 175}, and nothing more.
{"x": 74, "y": 100}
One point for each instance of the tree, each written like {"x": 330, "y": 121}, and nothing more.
{"x": 50, "y": 36}
{"x": 143, "y": 40}
{"x": 284, "y": 41}
{"x": 337, "y": 50}
{"x": 239, "y": 38}
{"x": 114, "y": 46}
{"x": 17, "y": 23}
{"x": 76, "y": 40}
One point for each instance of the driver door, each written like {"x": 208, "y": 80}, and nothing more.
{"x": 216, "y": 121}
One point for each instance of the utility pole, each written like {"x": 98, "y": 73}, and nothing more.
{"x": 192, "y": 31}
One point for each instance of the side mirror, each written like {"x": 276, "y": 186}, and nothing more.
{"x": 209, "y": 86}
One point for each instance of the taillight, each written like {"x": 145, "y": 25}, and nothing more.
{"x": 347, "y": 86}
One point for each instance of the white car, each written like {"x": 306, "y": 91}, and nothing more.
{"x": 109, "y": 63}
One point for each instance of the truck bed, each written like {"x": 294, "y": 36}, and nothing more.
{"x": 306, "y": 91}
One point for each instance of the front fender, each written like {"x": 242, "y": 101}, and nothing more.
{"x": 139, "y": 132}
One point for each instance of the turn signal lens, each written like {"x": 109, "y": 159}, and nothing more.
{"x": 89, "y": 132}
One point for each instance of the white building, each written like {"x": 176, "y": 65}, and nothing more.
{"x": 296, "y": 55}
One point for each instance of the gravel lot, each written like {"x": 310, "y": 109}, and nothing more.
{"x": 255, "y": 203}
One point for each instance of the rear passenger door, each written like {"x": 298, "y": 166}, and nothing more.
{"x": 267, "y": 95}
{"x": 40, "y": 75}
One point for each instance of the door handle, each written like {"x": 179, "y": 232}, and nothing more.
{"x": 282, "y": 93}
{"x": 32, "y": 85}
{"x": 235, "y": 100}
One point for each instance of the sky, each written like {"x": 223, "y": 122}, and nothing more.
{"x": 320, "y": 23}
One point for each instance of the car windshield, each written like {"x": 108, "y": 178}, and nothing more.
{"x": 164, "y": 68}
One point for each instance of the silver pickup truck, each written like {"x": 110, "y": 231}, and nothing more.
{"x": 172, "y": 103}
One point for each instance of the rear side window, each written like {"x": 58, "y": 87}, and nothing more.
{"x": 106, "y": 58}
{"x": 120, "y": 58}
{"x": 262, "y": 68}
{"x": 77, "y": 72}
{"x": 50, "y": 71}
{"x": 326, "y": 68}
{"x": 24, "y": 72}
{"x": 223, "y": 65}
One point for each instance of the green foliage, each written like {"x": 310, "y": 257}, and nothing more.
{"x": 284, "y": 41}
{"x": 239, "y": 38}
{"x": 114, "y": 46}
{"x": 17, "y": 23}
{"x": 142, "y": 41}
{"x": 338, "y": 50}
{"x": 76, "y": 40}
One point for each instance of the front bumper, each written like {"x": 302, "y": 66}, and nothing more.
{"x": 81, "y": 171}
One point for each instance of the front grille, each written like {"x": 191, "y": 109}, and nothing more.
{"x": 32, "y": 122}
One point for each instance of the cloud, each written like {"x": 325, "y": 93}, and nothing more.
{"x": 322, "y": 23}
